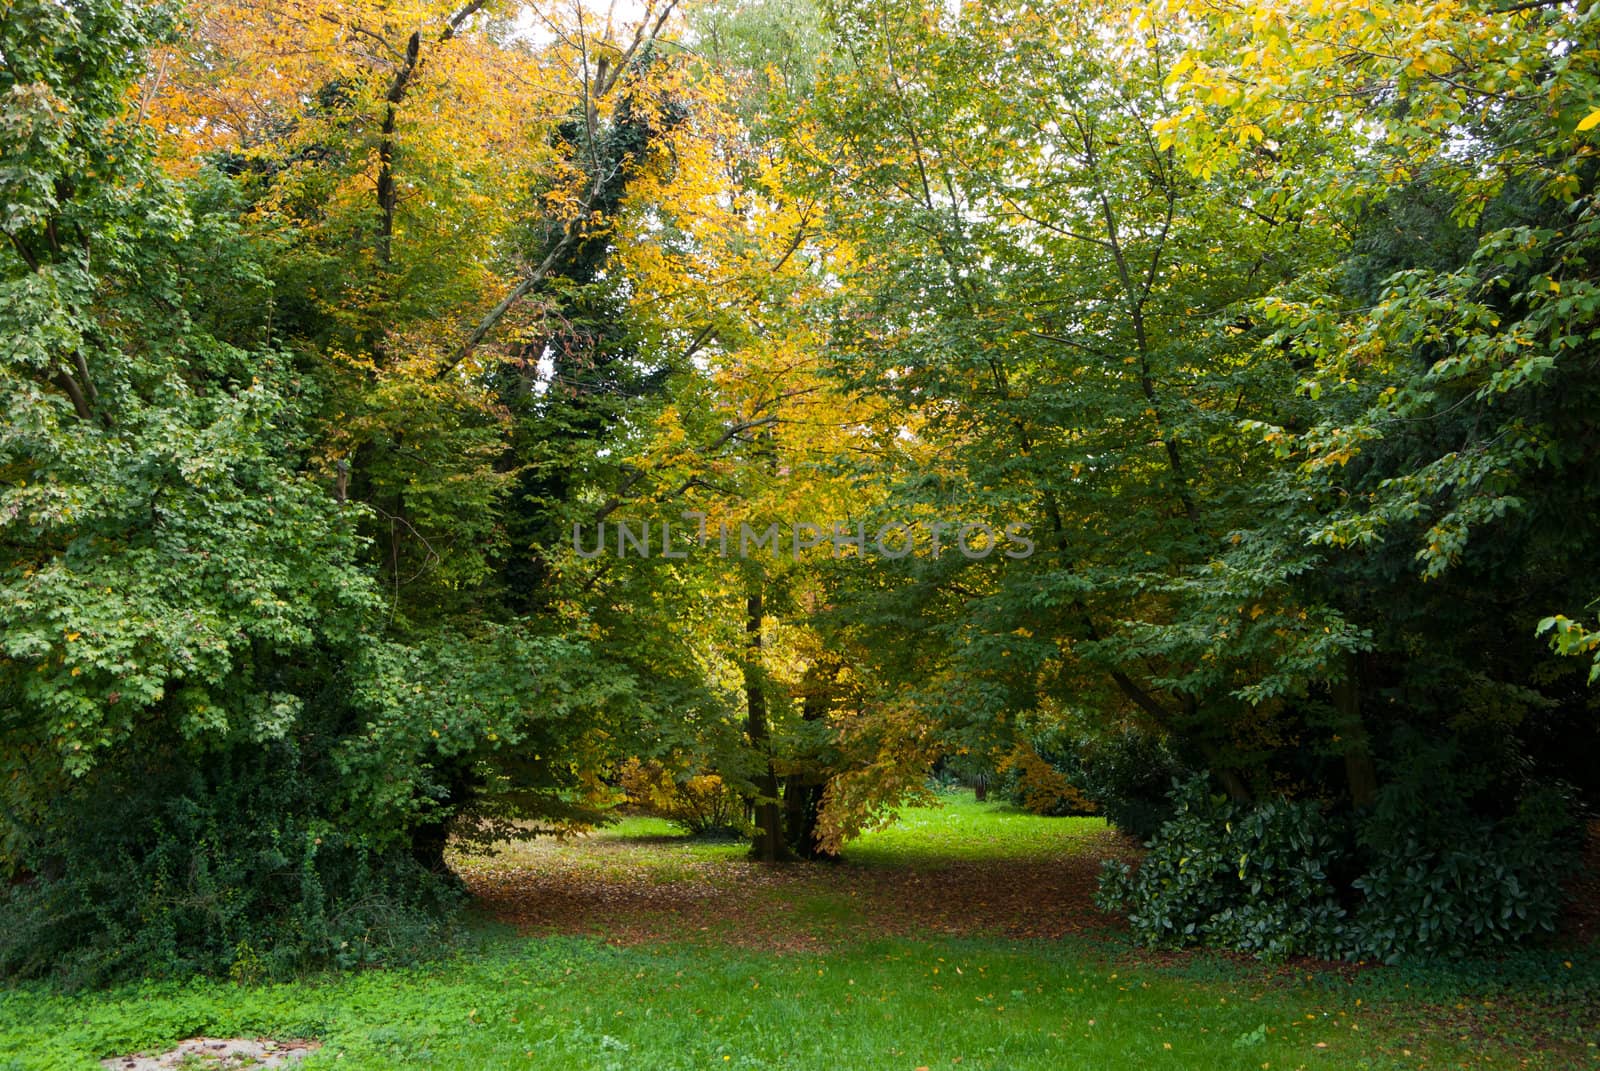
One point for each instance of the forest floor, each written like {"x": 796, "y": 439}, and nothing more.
{"x": 963, "y": 937}
{"x": 961, "y": 870}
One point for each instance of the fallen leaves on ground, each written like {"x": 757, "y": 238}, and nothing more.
{"x": 626, "y": 891}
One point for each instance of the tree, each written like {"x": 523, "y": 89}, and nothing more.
{"x": 440, "y": 217}
{"x": 178, "y": 595}
{"x": 1030, "y": 306}
{"x": 1450, "y": 361}
{"x": 1229, "y": 447}
{"x": 206, "y": 612}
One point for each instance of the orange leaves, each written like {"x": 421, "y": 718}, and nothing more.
{"x": 1045, "y": 790}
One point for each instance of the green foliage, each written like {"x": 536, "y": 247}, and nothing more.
{"x": 1442, "y": 880}
{"x": 775, "y": 45}
{"x": 1126, "y": 773}
{"x": 1568, "y": 637}
{"x": 223, "y": 752}
{"x": 1301, "y": 492}
{"x": 176, "y": 597}
{"x": 1418, "y": 875}
{"x": 1221, "y": 875}
{"x": 226, "y": 866}
{"x": 1129, "y": 774}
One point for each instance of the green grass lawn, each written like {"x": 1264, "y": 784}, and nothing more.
{"x": 962, "y": 829}
{"x": 958, "y": 829}
{"x": 1087, "y": 1002}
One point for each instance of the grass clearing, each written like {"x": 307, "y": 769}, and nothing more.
{"x": 845, "y": 997}
{"x": 963, "y": 830}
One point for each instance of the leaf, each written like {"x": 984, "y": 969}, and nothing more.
{"x": 1590, "y": 121}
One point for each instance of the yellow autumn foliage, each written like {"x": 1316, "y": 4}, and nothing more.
{"x": 1044, "y": 789}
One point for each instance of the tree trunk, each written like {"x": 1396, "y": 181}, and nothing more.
{"x": 803, "y": 790}
{"x": 1360, "y": 772}
{"x": 767, "y": 845}
{"x": 429, "y": 840}
{"x": 428, "y": 844}
{"x": 802, "y": 806}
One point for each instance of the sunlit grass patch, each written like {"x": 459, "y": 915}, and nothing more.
{"x": 959, "y": 828}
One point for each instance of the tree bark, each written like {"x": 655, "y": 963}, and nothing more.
{"x": 1361, "y": 773}
{"x": 387, "y": 191}
{"x": 803, "y": 790}
{"x": 387, "y": 198}
{"x": 767, "y": 845}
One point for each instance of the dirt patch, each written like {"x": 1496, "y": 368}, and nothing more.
{"x": 218, "y": 1054}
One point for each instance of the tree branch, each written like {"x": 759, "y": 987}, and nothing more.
{"x": 79, "y": 403}
{"x": 520, "y": 291}
{"x": 606, "y": 79}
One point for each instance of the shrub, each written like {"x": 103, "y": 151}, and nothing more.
{"x": 1129, "y": 775}
{"x": 1039, "y": 786}
{"x": 1125, "y": 775}
{"x": 1441, "y": 880}
{"x": 228, "y": 866}
{"x": 1424, "y": 876}
{"x": 700, "y": 804}
{"x": 1225, "y": 875}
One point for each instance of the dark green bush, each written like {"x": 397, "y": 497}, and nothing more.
{"x": 1223, "y": 875}
{"x": 1418, "y": 875}
{"x": 1129, "y": 776}
{"x": 227, "y": 864}
{"x": 1441, "y": 880}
